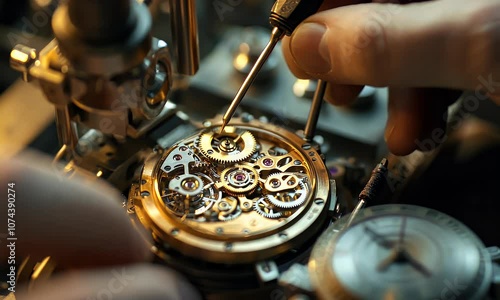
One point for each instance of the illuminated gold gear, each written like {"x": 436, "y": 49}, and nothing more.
{"x": 266, "y": 209}
{"x": 227, "y": 147}
{"x": 290, "y": 199}
{"x": 239, "y": 179}
{"x": 227, "y": 209}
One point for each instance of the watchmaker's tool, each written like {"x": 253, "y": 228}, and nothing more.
{"x": 372, "y": 188}
{"x": 312, "y": 119}
{"x": 285, "y": 17}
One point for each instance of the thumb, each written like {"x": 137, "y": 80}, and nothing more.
{"x": 446, "y": 43}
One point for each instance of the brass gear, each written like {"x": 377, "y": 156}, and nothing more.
{"x": 290, "y": 199}
{"x": 238, "y": 179}
{"x": 266, "y": 209}
{"x": 227, "y": 209}
{"x": 227, "y": 147}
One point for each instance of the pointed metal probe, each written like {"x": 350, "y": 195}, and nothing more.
{"x": 373, "y": 189}
{"x": 276, "y": 36}
{"x": 284, "y": 18}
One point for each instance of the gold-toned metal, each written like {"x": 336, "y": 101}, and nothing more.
{"x": 276, "y": 35}
{"x": 21, "y": 59}
{"x": 230, "y": 146}
{"x": 231, "y": 183}
{"x": 185, "y": 35}
{"x": 218, "y": 226}
{"x": 34, "y": 272}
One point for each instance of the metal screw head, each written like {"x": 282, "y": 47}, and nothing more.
{"x": 157, "y": 149}
{"x": 319, "y": 201}
{"x": 21, "y": 59}
{"x": 246, "y": 117}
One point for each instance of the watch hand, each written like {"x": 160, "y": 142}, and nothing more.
{"x": 402, "y": 232}
{"x": 400, "y": 243}
{"x": 378, "y": 238}
{"x": 384, "y": 264}
{"x": 416, "y": 264}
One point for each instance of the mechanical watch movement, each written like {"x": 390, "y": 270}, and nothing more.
{"x": 235, "y": 206}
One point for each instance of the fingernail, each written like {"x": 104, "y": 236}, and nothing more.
{"x": 309, "y": 48}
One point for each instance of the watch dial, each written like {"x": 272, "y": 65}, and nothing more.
{"x": 405, "y": 252}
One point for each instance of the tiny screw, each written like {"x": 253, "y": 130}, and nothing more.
{"x": 157, "y": 149}
{"x": 319, "y": 201}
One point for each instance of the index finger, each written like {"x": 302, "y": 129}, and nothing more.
{"x": 430, "y": 44}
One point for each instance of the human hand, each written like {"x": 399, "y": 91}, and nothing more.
{"x": 80, "y": 223}
{"x": 426, "y": 53}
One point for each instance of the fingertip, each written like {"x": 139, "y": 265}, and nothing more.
{"x": 403, "y": 124}
{"x": 141, "y": 281}
{"x": 290, "y": 60}
{"x": 309, "y": 48}
{"x": 78, "y": 221}
{"x": 342, "y": 95}
{"x": 417, "y": 118}
{"x": 399, "y": 142}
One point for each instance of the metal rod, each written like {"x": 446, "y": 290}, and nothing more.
{"x": 185, "y": 35}
{"x": 373, "y": 188}
{"x": 65, "y": 131}
{"x": 312, "y": 119}
{"x": 361, "y": 203}
{"x": 276, "y": 36}
{"x": 60, "y": 154}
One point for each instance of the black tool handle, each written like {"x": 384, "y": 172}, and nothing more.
{"x": 376, "y": 183}
{"x": 288, "y": 14}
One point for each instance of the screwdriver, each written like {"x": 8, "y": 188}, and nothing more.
{"x": 285, "y": 16}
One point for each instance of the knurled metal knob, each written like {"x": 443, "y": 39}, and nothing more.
{"x": 22, "y": 58}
